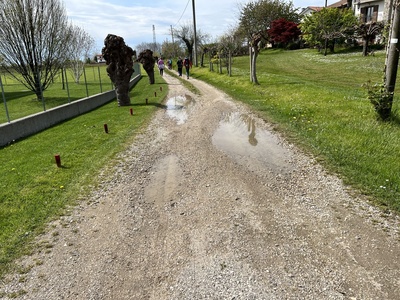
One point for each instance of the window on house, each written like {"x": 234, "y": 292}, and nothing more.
{"x": 369, "y": 14}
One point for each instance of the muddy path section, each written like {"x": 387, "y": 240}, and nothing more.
{"x": 209, "y": 203}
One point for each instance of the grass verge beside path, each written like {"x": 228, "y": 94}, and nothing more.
{"x": 33, "y": 190}
{"x": 318, "y": 102}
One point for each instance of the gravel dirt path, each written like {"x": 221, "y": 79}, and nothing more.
{"x": 210, "y": 203}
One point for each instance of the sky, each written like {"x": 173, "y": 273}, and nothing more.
{"x": 134, "y": 19}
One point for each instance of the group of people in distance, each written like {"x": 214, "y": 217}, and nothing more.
{"x": 180, "y": 64}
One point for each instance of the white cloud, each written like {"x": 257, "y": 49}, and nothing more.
{"x": 134, "y": 19}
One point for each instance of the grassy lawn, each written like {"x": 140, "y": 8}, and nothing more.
{"x": 22, "y": 102}
{"x": 319, "y": 103}
{"x": 33, "y": 190}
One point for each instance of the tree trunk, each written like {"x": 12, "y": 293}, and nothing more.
{"x": 365, "y": 47}
{"x": 325, "y": 46}
{"x": 150, "y": 73}
{"x": 253, "y": 65}
{"x": 230, "y": 63}
{"x": 38, "y": 87}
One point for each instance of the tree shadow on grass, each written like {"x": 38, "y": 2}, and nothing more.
{"x": 9, "y": 96}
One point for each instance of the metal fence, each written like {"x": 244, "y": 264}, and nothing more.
{"x": 19, "y": 101}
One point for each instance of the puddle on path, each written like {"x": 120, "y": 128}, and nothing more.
{"x": 178, "y": 108}
{"x": 239, "y": 137}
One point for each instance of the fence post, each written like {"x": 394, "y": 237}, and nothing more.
{"x": 66, "y": 83}
{"x": 101, "y": 87}
{"x": 4, "y": 99}
{"x": 84, "y": 75}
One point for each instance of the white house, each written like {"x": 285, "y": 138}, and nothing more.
{"x": 371, "y": 10}
{"x": 366, "y": 10}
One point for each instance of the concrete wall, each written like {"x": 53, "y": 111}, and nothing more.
{"x": 32, "y": 124}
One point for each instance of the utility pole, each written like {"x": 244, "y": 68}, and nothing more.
{"x": 195, "y": 35}
{"x": 154, "y": 39}
{"x": 173, "y": 43}
{"x": 392, "y": 58}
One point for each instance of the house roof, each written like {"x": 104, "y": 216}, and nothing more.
{"x": 342, "y": 3}
{"x": 315, "y": 8}
{"x": 310, "y": 9}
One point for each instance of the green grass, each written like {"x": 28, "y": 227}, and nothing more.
{"x": 22, "y": 102}
{"x": 319, "y": 103}
{"x": 33, "y": 190}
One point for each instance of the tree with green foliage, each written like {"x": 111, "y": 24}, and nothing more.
{"x": 256, "y": 19}
{"x": 34, "y": 41}
{"x": 327, "y": 25}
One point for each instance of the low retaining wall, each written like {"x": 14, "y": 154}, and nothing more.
{"x": 20, "y": 128}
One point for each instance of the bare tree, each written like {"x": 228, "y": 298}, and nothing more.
{"x": 144, "y": 46}
{"x": 34, "y": 40}
{"x": 186, "y": 35}
{"x": 229, "y": 45}
{"x": 79, "y": 48}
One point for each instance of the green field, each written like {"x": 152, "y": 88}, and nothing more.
{"x": 320, "y": 104}
{"x": 22, "y": 102}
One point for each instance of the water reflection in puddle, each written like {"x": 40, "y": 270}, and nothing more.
{"x": 178, "y": 108}
{"x": 239, "y": 137}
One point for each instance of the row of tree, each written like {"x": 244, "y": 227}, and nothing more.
{"x": 277, "y": 23}
{"x": 37, "y": 41}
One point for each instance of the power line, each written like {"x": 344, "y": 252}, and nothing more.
{"x": 182, "y": 13}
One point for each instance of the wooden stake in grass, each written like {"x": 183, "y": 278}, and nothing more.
{"x": 106, "y": 128}
{"x": 131, "y": 111}
{"x": 58, "y": 160}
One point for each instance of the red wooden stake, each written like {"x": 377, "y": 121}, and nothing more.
{"x": 106, "y": 128}
{"x": 131, "y": 111}
{"x": 58, "y": 160}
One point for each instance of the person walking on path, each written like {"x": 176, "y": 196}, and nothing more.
{"x": 188, "y": 64}
{"x": 161, "y": 66}
{"x": 179, "y": 64}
